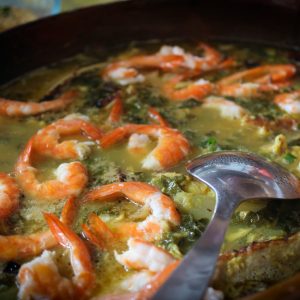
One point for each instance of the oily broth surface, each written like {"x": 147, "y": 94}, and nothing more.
{"x": 202, "y": 122}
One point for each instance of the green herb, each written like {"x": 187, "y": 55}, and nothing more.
{"x": 289, "y": 158}
{"x": 262, "y": 108}
{"x": 189, "y": 103}
{"x": 285, "y": 216}
{"x": 179, "y": 241}
{"x": 210, "y": 143}
{"x": 170, "y": 185}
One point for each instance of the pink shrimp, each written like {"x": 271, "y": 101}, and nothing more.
{"x": 71, "y": 178}
{"x": 46, "y": 140}
{"x": 195, "y": 90}
{"x": 255, "y": 81}
{"x": 163, "y": 209}
{"x": 143, "y": 255}
{"x": 172, "y": 146}
{"x": 289, "y": 102}
{"x": 9, "y": 196}
{"x": 117, "y": 110}
{"x": 40, "y": 278}
{"x": 156, "y": 116}
{"x": 154, "y": 266}
{"x": 146, "y": 290}
{"x": 19, "y": 247}
{"x": 98, "y": 233}
{"x": 170, "y": 58}
{"x": 14, "y": 108}
{"x": 167, "y": 59}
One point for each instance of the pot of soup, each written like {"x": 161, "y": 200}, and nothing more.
{"x": 100, "y": 109}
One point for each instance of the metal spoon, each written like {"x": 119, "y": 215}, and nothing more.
{"x": 234, "y": 176}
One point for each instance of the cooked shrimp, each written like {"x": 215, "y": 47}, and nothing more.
{"x": 162, "y": 207}
{"x": 124, "y": 75}
{"x": 156, "y": 116}
{"x": 227, "y": 109}
{"x": 195, "y": 90}
{"x": 40, "y": 278}
{"x": 143, "y": 255}
{"x": 46, "y": 140}
{"x": 14, "y": 108}
{"x": 116, "y": 111}
{"x": 289, "y": 102}
{"x": 71, "y": 178}
{"x": 84, "y": 277}
{"x": 154, "y": 264}
{"x": 98, "y": 233}
{"x": 145, "y": 291}
{"x": 9, "y": 196}
{"x": 168, "y": 58}
{"x": 172, "y": 146}
{"x": 253, "y": 82}
{"x": 19, "y": 247}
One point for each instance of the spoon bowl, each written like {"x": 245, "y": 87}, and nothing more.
{"x": 234, "y": 176}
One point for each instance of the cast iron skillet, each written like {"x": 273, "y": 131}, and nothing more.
{"x": 272, "y": 22}
{"x": 268, "y": 22}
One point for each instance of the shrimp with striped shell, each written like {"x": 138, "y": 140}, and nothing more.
{"x": 9, "y": 195}
{"x": 71, "y": 178}
{"x": 20, "y": 247}
{"x": 289, "y": 102}
{"x": 162, "y": 208}
{"x": 171, "y": 147}
{"x": 40, "y": 277}
{"x": 256, "y": 81}
{"x": 47, "y": 141}
{"x": 13, "y": 108}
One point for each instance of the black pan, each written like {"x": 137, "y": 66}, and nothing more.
{"x": 271, "y": 22}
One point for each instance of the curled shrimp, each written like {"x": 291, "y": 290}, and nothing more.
{"x": 123, "y": 75}
{"x": 171, "y": 58}
{"x": 9, "y": 196}
{"x": 47, "y": 140}
{"x": 228, "y": 109}
{"x": 14, "y": 108}
{"x": 195, "y": 90}
{"x": 19, "y": 247}
{"x": 143, "y": 255}
{"x": 289, "y": 102}
{"x": 172, "y": 146}
{"x": 71, "y": 178}
{"x": 156, "y": 116}
{"x": 255, "y": 81}
{"x": 163, "y": 210}
{"x": 40, "y": 278}
{"x": 116, "y": 111}
{"x": 146, "y": 289}
{"x": 154, "y": 266}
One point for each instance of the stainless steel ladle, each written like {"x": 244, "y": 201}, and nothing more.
{"x": 234, "y": 176}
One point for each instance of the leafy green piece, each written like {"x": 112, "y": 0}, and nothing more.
{"x": 179, "y": 241}
{"x": 191, "y": 103}
{"x": 97, "y": 92}
{"x": 289, "y": 158}
{"x": 285, "y": 216}
{"x": 169, "y": 185}
{"x": 262, "y": 108}
{"x": 210, "y": 143}
{"x": 102, "y": 172}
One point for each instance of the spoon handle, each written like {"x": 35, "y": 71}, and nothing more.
{"x": 189, "y": 281}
